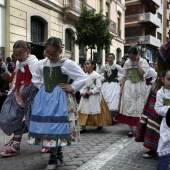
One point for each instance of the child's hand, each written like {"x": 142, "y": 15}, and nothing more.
{"x": 83, "y": 94}
{"x": 137, "y": 58}
{"x": 66, "y": 87}
{"x": 89, "y": 93}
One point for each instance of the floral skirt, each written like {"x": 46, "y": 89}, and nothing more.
{"x": 102, "y": 119}
{"x": 54, "y": 119}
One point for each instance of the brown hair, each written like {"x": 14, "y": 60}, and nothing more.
{"x": 54, "y": 41}
{"x": 8, "y": 59}
{"x": 111, "y": 54}
{"x": 92, "y": 63}
{"x": 22, "y": 44}
{"x": 133, "y": 50}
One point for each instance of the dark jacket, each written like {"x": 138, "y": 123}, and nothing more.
{"x": 10, "y": 67}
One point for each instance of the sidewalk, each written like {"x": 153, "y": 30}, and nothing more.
{"x": 92, "y": 143}
{"x": 108, "y": 149}
{"x": 125, "y": 154}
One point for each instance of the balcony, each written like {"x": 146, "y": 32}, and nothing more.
{"x": 72, "y": 8}
{"x": 150, "y": 40}
{"x": 158, "y": 2}
{"x": 144, "y": 18}
{"x": 152, "y": 5}
{"x": 112, "y": 27}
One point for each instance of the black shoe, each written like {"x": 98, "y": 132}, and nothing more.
{"x": 99, "y": 127}
{"x": 130, "y": 134}
{"x": 52, "y": 164}
{"x": 82, "y": 131}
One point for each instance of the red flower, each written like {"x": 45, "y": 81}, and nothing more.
{"x": 73, "y": 133}
{"x": 72, "y": 109}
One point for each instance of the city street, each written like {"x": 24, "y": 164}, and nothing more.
{"x": 108, "y": 149}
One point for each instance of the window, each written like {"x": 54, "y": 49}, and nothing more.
{"x": 147, "y": 32}
{"x": 160, "y": 17}
{"x": 68, "y": 35}
{"x": 133, "y": 31}
{"x": 119, "y": 24}
{"x": 107, "y": 10}
{"x": 159, "y": 36}
{"x": 37, "y": 29}
{"x": 167, "y": 5}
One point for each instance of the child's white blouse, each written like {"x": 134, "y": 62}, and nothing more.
{"x": 68, "y": 67}
{"x": 161, "y": 109}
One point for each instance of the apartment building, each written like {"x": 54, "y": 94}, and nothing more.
{"x": 163, "y": 15}
{"x": 141, "y": 24}
{"x": 36, "y": 20}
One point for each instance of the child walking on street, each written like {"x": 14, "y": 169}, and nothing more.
{"x": 162, "y": 107}
{"x": 93, "y": 110}
{"x": 133, "y": 89}
{"x": 111, "y": 87}
{"x": 16, "y": 110}
{"x": 53, "y": 120}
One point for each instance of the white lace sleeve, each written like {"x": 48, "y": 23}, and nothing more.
{"x": 159, "y": 105}
{"x": 37, "y": 76}
{"x": 74, "y": 72}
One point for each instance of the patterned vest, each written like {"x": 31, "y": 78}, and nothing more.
{"x": 166, "y": 102}
{"x": 111, "y": 78}
{"x": 135, "y": 76}
{"x": 52, "y": 77}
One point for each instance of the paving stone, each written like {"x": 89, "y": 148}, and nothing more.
{"x": 107, "y": 168}
{"x": 67, "y": 168}
{"x": 92, "y": 143}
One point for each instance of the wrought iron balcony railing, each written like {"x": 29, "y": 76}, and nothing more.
{"x": 77, "y": 5}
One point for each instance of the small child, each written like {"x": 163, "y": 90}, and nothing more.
{"x": 53, "y": 120}
{"x": 16, "y": 110}
{"x": 93, "y": 110}
{"x": 162, "y": 107}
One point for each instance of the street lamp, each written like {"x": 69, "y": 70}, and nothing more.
{"x": 142, "y": 48}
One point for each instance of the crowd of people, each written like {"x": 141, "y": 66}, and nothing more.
{"x": 37, "y": 97}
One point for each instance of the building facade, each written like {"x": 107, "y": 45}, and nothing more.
{"x": 36, "y": 20}
{"x": 2, "y": 28}
{"x": 163, "y": 15}
{"x": 141, "y": 24}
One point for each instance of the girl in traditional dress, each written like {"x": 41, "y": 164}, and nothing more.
{"x": 149, "y": 124}
{"x": 16, "y": 110}
{"x": 93, "y": 110}
{"x": 53, "y": 120}
{"x": 162, "y": 107}
{"x": 111, "y": 87}
{"x": 133, "y": 89}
